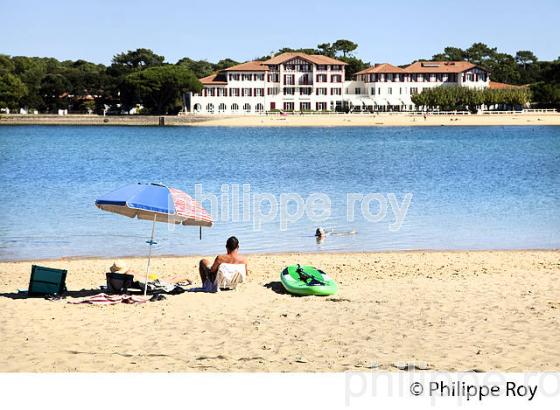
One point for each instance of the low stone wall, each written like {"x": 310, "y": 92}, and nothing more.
{"x": 77, "y": 119}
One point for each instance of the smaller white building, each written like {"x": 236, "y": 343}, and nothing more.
{"x": 385, "y": 87}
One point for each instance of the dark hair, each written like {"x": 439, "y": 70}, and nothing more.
{"x": 232, "y": 244}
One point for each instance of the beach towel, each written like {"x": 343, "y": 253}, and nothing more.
{"x": 160, "y": 286}
{"x": 104, "y": 299}
{"x": 229, "y": 276}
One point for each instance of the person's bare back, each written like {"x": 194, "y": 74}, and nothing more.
{"x": 232, "y": 256}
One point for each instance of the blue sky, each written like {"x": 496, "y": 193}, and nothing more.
{"x": 386, "y": 31}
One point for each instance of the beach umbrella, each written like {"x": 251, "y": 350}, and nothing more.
{"x": 156, "y": 203}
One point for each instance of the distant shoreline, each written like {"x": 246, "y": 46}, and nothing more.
{"x": 142, "y": 256}
{"x": 295, "y": 120}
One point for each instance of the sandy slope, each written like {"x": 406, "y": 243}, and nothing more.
{"x": 494, "y": 310}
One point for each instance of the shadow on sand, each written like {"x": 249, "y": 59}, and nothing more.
{"x": 69, "y": 294}
{"x": 277, "y": 287}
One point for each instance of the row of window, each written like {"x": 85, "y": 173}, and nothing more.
{"x": 234, "y": 107}
{"x": 245, "y": 77}
{"x": 260, "y": 92}
{"x": 288, "y": 78}
{"x": 435, "y": 77}
{"x": 305, "y": 106}
{"x": 371, "y": 78}
{"x": 235, "y": 92}
{"x": 287, "y": 106}
{"x": 377, "y": 91}
{"x": 306, "y": 67}
{"x": 335, "y": 78}
{"x": 309, "y": 91}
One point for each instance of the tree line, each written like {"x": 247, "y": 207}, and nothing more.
{"x": 463, "y": 98}
{"x": 523, "y": 68}
{"x": 134, "y": 77}
{"x": 144, "y": 77}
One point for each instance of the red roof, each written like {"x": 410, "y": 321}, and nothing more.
{"x": 503, "y": 86}
{"x": 382, "y": 68}
{"x": 248, "y": 66}
{"x": 312, "y": 58}
{"x": 440, "y": 67}
{"x": 213, "y": 79}
{"x": 219, "y": 78}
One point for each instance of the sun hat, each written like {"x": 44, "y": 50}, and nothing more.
{"x": 118, "y": 267}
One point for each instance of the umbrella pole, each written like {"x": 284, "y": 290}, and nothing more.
{"x": 150, "y": 242}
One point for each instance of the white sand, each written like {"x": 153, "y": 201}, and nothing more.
{"x": 364, "y": 120}
{"x": 492, "y": 310}
{"x": 315, "y": 120}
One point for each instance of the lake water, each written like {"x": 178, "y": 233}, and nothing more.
{"x": 472, "y": 187}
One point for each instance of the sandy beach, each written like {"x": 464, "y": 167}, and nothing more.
{"x": 315, "y": 120}
{"x": 447, "y": 311}
{"x": 381, "y": 120}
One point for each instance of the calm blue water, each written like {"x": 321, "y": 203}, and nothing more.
{"x": 472, "y": 187}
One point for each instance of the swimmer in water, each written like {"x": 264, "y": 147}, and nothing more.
{"x": 321, "y": 234}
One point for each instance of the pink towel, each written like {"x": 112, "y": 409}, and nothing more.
{"x": 104, "y": 299}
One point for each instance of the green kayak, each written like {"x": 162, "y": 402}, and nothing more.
{"x": 307, "y": 280}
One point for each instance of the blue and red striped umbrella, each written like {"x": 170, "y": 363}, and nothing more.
{"x": 157, "y": 203}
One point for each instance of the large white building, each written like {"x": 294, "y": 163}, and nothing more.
{"x": 287, "y": 82}
{"x": 304, "y": 82}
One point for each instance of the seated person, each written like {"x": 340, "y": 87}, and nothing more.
{"x": 231, "y": 266}
{"x": 120, "y": 267}
{"x": 120, "y": 278}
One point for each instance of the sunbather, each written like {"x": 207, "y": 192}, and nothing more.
{"x": 120, "y": 267}
{"x": 232, "y": 260}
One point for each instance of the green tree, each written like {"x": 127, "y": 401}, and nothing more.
{"x": 297, "y": 50}
{"x": 326, "y": 49}
{"x": 200, "y": 68}
{"x": 54, "y": 90}
{"x": 344, "y": 46}
{"x": 546, "y": 92}
{"x": 525, "y": 57}
{"x": 419, "y": 99}
{"x": 464, "y": 98}
{"x": 159, "y": 89}
{"x": 225, "y": 63}
{"x": 528, "y": 67}
{"x": 503, "y": 68}
{"x": 451, "y": 54}
{"x": 134, "y": 60}
{"x": 12, "y": 90}
{"x": 31, "y": 70}
{"x": 354, "y": 65}
{"x": 480, "y": 53}
{"x": 6, "y": 64}
{"x": 546, "y": 95}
